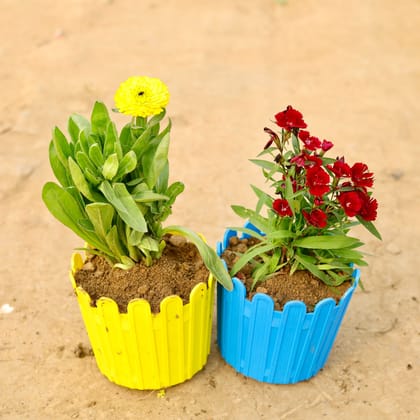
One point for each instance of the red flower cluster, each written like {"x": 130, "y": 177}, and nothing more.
{"x": 341, "y": 183}
{"x": 313, "y": 143}
{"x": 358, "y": 202}
{"x": 290, "y": 118}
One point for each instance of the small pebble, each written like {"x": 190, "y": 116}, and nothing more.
{"x": 261, "y": 290}
{"x": 397, "y": 174}
{"x": 88, "y": 266}
{"x": 143, "y": 289}
{"x": 177, "y": 240}
{"x": 241, "y": 248}
{"x": 234, "y": 241}
{"x": 393, "y": 249}
{"x": 6, "y": 309}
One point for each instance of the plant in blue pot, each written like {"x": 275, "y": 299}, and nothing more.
{"x": 294, "y": 261}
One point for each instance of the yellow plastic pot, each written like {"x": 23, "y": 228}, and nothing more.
{"x": 142, "y": 350}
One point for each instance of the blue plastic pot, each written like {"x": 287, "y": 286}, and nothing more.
{"x": 278, "y": 347}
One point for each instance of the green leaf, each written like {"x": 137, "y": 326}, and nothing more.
{"x": 99, "y": 118}
{"x": 101, "y": 216}
{"x": 96, "y": 156}
{"x": 86, "y": 224}
{"x": 258, "y": 221}
{"x": 127, "y": 263}
{"x": 75, "y": 193}
{"x": 296, "y": 145}
{"x": 173, "y": 191}
{"x": 128, "y": 164}
{"x": 247, "y": 231}
{"x": 269, "y": 166}
{"x": 313, "y": 269}
{"x": 64, "y": 207}
{"x": 156, "y": 119}
{"x": 250, "y": 254}
{"x": 154, "y": 161}
{"x": 91, "y": 177}
{"x": 58, "y": 168}
{"x": 349, "y": 254}
{"x": 164, "y": 132}
{"x": 242, "y": 211}
{"x": 209, "y": 256}
{"x": 111, "y": 138}
{"x": 280, "y": 234}
{"x": 149, "y": 243}
{"x": 370, "y": 227}
{"x": 110, "y": 168}
{"x": 327, "y": 242}
{"x": 113, "y": 241}
{"x": 85, "y": 163}
{"x": 80, "y": 181}
{"x": 83, "y": 143}
{"x": 274, "y": 260}
{"x": 288, "y": 192}
{"x": 76, "y": 124}
{"x": 263, "y": 199}
{"x": 148, "y": 196}
{"x": 338, "y": 279}
{"x": 61, "y": 146}
{"x": 260, "y": 274}
{"x": 336, "y": 266}
{"x": 125, "y": 205}
{"x": 141, "y": 144}
{"x": 162, "y": 181}
{"x": 135, "y": 237}
{"x": 126, "y": 139}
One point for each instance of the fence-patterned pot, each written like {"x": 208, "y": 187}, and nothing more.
{"x": 278, "y": 347}
{"x": 142, "y": 350}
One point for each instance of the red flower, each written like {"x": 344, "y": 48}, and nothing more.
{"x": 281, "y": 206}
{"x": 317, "y": 180}
{"x": 303, "y": 135}
{"x": 304, "y": 159}
{"x": 340, "y": 168}
{"x": 369, "y": 207}
{"x": 326, "y": 145}
{"x": 312, "y": 143}
{"x": 361, "y": 176}
{"x": 299, "y": 160}
{"x": 313, "y": 161}
{"x": 316, "y": 218}
{"x": 290, "y": 118}
{"x": 351, "y": 202}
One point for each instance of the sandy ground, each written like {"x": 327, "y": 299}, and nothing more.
{"x": 352, "y": 68}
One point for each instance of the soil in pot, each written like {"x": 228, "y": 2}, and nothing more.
{"x": 176, "y": 273}
{"x": 282, "y": 287}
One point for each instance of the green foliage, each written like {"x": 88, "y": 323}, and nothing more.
{"x": 113, "y": 189}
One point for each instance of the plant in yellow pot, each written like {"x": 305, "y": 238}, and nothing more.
{"x": 294, "y": 263}
{"x": 144, "y": 290}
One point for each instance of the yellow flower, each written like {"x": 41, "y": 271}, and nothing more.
{"x": 141, "y": 96}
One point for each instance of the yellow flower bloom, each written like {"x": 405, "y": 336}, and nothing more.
{"x": 141, "y": 96}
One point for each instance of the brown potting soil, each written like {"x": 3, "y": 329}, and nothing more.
{"x": 176, "y": 273}
{"x": 282, "y": 287}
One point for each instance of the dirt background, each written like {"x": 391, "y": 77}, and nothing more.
{"x": 352, "y": 68}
